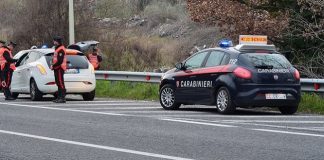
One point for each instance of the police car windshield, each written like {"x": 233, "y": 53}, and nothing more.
{"x": 73, "y": 61}
{"x": 265, "y": 61}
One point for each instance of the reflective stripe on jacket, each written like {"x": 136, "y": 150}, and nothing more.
{"x": 64, "y": 63}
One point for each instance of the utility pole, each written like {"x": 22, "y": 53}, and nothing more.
{"x": 71, "y": 22}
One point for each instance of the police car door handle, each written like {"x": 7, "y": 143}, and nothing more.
{"x": 193, "y": 76}
{"x": 215, "y": 74}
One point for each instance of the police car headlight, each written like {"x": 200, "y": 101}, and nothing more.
{"x": 41, "y": 69}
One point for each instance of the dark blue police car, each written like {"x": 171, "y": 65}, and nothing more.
{"x": 247, "y": 75}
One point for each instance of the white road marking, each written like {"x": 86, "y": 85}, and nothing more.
{"x": 119, "y": 108}
{"x": 255, "y": 124}
{"x": 194, "y": 122}
{"x": 155, "y": 111}
{"x": 266, "y": 121}
{"x": 282, "y": 127}
{"x": 248, "y": 116}
{"x": 93, "y": 145}
{"x": 63, "y": 109}
{"x": 86, "y": 104}
{"x": 287, "y": 132}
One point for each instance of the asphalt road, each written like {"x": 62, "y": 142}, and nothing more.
{"x": 122, "y": 129}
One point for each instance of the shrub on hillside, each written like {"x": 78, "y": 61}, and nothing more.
{"x": 159, "y": 12}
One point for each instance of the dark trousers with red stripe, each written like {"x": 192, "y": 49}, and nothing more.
{"x": 59, "y": 80}
{"x": 6, "y": 82}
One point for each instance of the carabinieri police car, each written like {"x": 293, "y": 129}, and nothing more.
{"x": 251, "y": 74}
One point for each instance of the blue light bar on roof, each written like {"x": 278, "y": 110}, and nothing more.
{"x": 44, "y": 46}
{"x": 225, "y": 43}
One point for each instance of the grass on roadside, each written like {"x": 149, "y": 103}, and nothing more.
{"x": 311, "y": 103}
{"x": 127, "y": 90}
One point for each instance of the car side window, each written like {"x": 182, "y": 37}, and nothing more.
{"x": 32, "y": 57}
{"x": 215, "y": 58}
{"x": 226, "y": 59}
{"x": 22, "y": 60}
{"x": 196, "y": 60}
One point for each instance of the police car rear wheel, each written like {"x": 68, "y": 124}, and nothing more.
{"x": 35, "y": 94}
{"x": 224, "y": 102}
{"x": 167, "y": 98}
{"x": 288, "y": 110}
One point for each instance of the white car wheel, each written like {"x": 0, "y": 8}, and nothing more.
{"x": 35, "y": 94}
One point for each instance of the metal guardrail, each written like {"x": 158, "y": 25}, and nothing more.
{"x": 129, "y": 76}
{"x": 312, "y": 85}
{"x": 307, "y": 85}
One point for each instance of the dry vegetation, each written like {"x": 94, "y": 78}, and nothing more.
{"x": 148, "y": 34}
{"x": 134, "y": 34}
{"x": 151, "y": 34}
{"x": 295, "y": 26}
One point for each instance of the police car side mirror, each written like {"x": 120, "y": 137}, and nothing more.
{"x": 180, "y": 66}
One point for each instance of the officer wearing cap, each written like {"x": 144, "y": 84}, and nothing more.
{"x": 7, "y": 65}
{"x": 59, "y": 67}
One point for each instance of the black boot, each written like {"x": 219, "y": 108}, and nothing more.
{"x": 10, "y": 98}
{"x": 7, "y": 94}
{"x": 60, "y": 96}
{"x": 60, "y": 100}
{"x": 63, "y": 94}
{"x": 55, "y": 96}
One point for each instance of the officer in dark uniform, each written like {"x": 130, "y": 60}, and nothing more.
{"x": 7, "y": 64}
{"x": 59, "y": 67}
{"x": 2, "y": 45}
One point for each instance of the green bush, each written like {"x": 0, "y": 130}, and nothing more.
{"x": 311, "y": 103}
{"x": 127, "y": 90}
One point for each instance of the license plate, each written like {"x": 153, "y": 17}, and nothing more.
{"x": 72, "y": 71}
{"x": 275, "y": 96}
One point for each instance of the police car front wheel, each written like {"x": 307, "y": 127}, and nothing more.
{"x": 224, "y": 103}
{"x": 167, "y": 98}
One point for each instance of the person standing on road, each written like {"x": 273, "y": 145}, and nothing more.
{"x": 59, "y": 67}
{"x": 7, "y": 65}
{"x": 2, "y": 45}
{"x": 95, "y": 58}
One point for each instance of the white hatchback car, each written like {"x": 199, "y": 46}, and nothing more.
{"x": 33, "y": 74}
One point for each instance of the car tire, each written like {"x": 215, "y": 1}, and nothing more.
{"x": 15, "y": 95}
{"x": 289, "y": 110}
{"x": 167, "y": 98}
{"x": 35, "y": 94}
{"x": 89, "y": 96}
{"x": 224, "y": 103}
